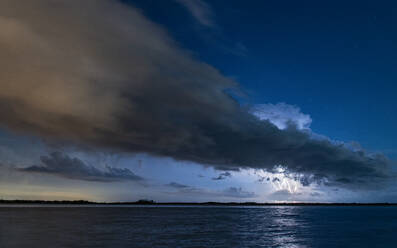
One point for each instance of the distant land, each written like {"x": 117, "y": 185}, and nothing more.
{"x": 153, "y": 203}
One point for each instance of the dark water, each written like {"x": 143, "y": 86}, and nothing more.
{"x": 198, "y": 227}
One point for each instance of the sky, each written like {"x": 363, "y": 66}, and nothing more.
{"x": 198, "y": 100}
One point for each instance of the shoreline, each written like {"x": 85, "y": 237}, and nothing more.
{"x": 152, "y": 203}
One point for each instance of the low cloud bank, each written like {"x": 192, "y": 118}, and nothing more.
{"x": 62, "y": 165}
{"x": 232, "y": 192}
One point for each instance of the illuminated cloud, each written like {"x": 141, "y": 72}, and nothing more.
{"x": 282, "y": 115}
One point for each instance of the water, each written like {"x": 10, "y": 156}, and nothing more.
{"x": 147, "y": 227}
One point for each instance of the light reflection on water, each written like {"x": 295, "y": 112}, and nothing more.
{"x": 286, "y": 224}
{"x": 270, "y": 226}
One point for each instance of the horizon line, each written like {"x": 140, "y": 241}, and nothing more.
{"x": 209, "y": 203}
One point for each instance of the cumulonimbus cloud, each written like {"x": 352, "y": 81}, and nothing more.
{"x": 99, "y": 73}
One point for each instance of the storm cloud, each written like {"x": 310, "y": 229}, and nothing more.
{"x": 62, "y": 165}
{"x": 99, "y": 73}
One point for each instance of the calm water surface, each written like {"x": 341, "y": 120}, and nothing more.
{"x": 148, "y": 227}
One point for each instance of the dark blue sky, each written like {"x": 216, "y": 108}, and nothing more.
{"x": 336, "y": 60}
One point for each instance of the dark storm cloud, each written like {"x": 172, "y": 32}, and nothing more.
{"x": 222, "y": 176}
{"x": 61, "y": 164}
{"x": 97, "y": 73}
